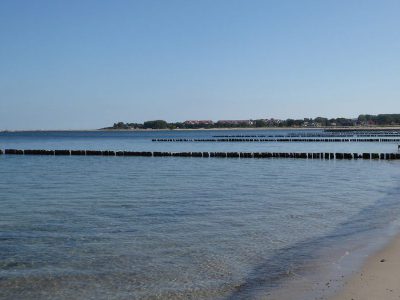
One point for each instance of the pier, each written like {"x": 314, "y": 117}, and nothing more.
{"x": 293, "y": 155}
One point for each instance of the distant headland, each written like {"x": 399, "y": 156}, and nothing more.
{"x": 368, "y": 121}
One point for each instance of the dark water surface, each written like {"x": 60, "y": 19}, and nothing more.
{"x": 179, "y": 228}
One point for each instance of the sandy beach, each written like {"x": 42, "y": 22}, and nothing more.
{"x": 379, "y": 278}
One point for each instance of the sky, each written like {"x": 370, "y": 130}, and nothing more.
{"x": 83, "y": 64}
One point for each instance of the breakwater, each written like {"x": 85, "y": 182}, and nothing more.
{"x": 303, "y": 155}
{"x": 302, "y": 140}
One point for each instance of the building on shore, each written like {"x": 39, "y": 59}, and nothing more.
{"x": 236, "y": 122}
{"x": 198, "y": 122}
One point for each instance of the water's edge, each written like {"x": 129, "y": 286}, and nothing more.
{"x": 325, "y": 263}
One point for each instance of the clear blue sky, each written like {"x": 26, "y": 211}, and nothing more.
{"x": 86, "y": 64}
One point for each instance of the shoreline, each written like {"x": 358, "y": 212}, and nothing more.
{"x": 364, "y": 266}
{"x": 211, "y": 129}
{"x": 360, "y": 272}
{"x": 378, "y": 278}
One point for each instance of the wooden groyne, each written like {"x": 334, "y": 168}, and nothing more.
{"x": 312, "y": 135}
{"x": 302, "y": 155}
{"x": 302, "y": 140}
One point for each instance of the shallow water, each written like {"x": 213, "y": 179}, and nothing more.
{"x": 155, "y": 228}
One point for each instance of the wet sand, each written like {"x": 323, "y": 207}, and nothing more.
{"x": 379, "y": 278}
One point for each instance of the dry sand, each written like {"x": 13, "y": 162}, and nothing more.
{"x": 379, "y": 278}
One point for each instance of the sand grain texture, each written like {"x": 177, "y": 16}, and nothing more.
{"x": 379, "y": 278}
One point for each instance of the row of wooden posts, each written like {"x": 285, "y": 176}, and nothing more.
{"x": 330, "y": 156}
{"x": 310, "y": 135}
{"x": 313, "y": 140}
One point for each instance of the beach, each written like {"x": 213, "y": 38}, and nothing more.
{"x": 108, "y": 227}
{"x": 379, "y": 277}
{"x": 207, "y": 150}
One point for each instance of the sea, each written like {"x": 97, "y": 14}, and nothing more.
{"x": 88, "y": 227}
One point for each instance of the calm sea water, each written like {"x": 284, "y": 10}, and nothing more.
{"x": 181, "y": 228}
{"x": 141, "y": 141}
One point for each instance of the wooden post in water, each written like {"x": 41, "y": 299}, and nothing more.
{"x": 366, "y": 156}
{"x": 301, "y": 155}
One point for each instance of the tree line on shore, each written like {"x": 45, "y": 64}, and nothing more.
{"x": 362, "y": 120}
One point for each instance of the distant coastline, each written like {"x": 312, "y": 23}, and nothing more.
{"x": 364, "y": 128}
{"x": 362, "y": 122}
{"x": 318, "y": 122}
{"x": 353, "y": 128}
